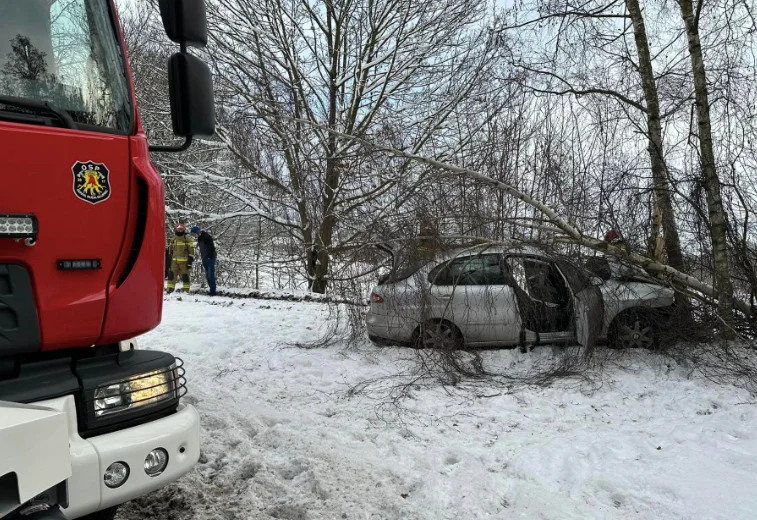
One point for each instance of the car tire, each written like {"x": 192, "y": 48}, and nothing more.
{"x": 635, "y": 329}
{"x": 438, "y": 334}
{"x": 105, "y": 514}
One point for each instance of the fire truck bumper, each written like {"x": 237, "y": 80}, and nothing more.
{"x": 178, "y": 434}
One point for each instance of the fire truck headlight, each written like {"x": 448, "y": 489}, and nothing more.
{"x": 125, "y": 389}
{"x": 139, "y": 390}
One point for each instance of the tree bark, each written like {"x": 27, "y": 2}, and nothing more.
{"x": 717, "y": 216}
{"x": 663, "y": 203}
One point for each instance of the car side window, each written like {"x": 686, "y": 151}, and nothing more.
{"x": 539, "y": 278}
{"x": 486, "y": 269}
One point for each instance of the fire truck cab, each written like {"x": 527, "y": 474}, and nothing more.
{"x": 82, "y": 240}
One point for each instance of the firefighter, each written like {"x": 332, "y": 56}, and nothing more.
{"x": 181, "y": 250}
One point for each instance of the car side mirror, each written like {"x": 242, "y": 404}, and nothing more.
{"x": 184, "y": 21}
{"x": 190, "y": 86}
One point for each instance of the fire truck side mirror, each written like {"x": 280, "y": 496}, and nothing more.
{"x": 191, "y": 92}
{"x": 190, "y": 82}
{"x": 184, "y": 21}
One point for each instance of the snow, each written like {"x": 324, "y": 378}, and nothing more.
{"x": 284, "y": 438}
{"x": 265, "y": 294}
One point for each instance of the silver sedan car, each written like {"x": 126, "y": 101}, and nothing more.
{"x": 515, "y": 296}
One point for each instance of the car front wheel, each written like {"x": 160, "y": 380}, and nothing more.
{"x": 635, "y": 330}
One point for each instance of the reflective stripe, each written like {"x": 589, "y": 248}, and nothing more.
{"x": 180, "y": 249}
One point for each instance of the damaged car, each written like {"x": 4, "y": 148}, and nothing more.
{"x": 509, "y": 296}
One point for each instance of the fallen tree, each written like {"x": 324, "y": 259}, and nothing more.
{"x": 565, "y": 231}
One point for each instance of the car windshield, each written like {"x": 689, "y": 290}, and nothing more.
{"x": 66, "y": 53}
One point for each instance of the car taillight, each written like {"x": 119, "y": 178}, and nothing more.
{"x": 376, "y": 298}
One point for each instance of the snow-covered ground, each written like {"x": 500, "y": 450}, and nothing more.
{"x": 282, "y": 438}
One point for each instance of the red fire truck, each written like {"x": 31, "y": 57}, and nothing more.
{"x": 82, "y": 237}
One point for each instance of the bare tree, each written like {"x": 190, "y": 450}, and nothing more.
{"x": 601, "y": 28}
{"x": 663, "y": 204}
{"x": 717, "y": 215}
{"x": 401, "y": 67}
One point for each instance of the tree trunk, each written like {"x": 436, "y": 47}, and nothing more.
{"x": 257, "y": 253}
{"x": 331, "y": 182}
{"x": 718, "y": 222}
{"x": 319, "y": 283}
{"x": 663, "y": 204}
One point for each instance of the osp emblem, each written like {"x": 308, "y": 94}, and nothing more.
{"x": 91, "y": 181}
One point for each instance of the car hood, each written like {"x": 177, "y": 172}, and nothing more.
{"x": 641, "y": 293}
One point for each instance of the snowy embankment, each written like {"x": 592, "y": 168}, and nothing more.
{"x": 276, "y": 294}
{"x": 282, "y": 439}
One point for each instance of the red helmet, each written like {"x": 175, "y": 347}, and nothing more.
{"x": 180, "y": 228}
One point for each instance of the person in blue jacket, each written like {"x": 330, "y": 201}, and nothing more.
{"x": 208, "y": 256}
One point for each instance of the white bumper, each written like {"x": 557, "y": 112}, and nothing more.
{"x": 178, "y": 434}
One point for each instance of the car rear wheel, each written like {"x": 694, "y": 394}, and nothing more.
{"x": 635, "y": 330}
{"x": 438, "y": 335}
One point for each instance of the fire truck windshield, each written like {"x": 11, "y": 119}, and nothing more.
{"x": 65, "y": 53}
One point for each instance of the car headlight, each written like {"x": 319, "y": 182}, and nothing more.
{"x": 139, "y": 390}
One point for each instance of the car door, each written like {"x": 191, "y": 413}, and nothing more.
{"x": 449, "y": 297}
{"x": 474, "y": 293}
{"x": 545, "y": 300}
{"x": 588, "y": 302}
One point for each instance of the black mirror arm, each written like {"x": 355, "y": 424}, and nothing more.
{"x": 179, "y": 148}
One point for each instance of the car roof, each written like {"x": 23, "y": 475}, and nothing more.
{"x": 489, "y": 248}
